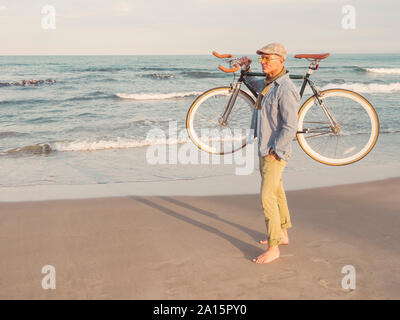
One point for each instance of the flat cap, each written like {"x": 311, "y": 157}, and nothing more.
{"x": 273, "y": 48}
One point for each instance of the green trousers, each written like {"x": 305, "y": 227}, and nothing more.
{"x": 273, "y": 198}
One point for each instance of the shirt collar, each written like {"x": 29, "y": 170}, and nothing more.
{"x": 282, "y": 79}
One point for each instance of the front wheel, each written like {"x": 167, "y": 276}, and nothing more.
{"x": 206, "y": 128}
{"x": 353, "y": 135}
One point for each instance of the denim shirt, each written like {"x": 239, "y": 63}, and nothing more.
{"x": 277, "y": 117}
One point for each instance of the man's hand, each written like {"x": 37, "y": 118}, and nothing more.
{"x": 244, "y": 62}
{"x": 272, "y": 154}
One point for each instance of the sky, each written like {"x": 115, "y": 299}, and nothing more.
{"x": 135, "y": 27}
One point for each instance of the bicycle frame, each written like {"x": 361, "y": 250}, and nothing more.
{"x": 306, "y": 80}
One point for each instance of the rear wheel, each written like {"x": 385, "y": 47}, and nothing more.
{"x": 351, "y": 140}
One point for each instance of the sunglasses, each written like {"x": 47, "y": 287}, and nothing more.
{"x": 266, "y": 59}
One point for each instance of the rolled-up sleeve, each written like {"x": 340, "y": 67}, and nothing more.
{"x": 257, "y": 84}
{"x": 288, "y": 104}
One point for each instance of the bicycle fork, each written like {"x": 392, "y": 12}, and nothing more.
{"x": 223, "y": 120}
{"x": 335, "y": 126}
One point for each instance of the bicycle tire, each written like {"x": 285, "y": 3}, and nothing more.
{"x": 202, "y": 117}
{"x": 358, "y": 133}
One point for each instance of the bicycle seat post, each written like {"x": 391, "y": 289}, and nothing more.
{"x": 313, "y": 66}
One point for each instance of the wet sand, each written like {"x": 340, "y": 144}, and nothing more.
{"x": 187, "y": 247}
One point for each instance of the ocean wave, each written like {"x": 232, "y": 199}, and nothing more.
{"x": 354, "y": 68}
{"x": 21, "y": 101}
{"x": 186, "y": 72}
{"x": 96, "y": 145}
{"x": 384, "y": 70}
{"x": 336, "y": 81}
{"x": 104, "y": 80}
{"x": 131, "y": 125}
{"x": 390, "y": 130}
{"x": 103, "y": 69}
{"x": 381, "y": 131}
{"x": 87, "y": 114}
{"x": 96, "y": 95}
{"x": 202, "y": 74}
{"x": 125, "y": 143}
{"x": 189, "y": 74}
{"x": 366, "y": 88}
{"x": 24, "y": 83}
{"x": 162, "y": 69}
{"x": 8, "y": 134}
{"x": 160, "y": 76}
{"x": 118, "y": 143}
{"x": 323, "y": 67}
{"x": 42, "y": 120}
{"x": 157, "y": 96}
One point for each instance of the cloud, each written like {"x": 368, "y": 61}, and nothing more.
{"x": 3, "y": 8}
{"x": 123, "y": 8}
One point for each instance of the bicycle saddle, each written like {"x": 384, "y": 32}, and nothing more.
{"x": 312, "y": 56}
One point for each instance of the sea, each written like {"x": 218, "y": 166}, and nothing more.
{"x": 81, "y": 120}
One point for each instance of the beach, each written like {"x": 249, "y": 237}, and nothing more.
{"x": 104, "y": 196}
{"x": 200, "y": 247}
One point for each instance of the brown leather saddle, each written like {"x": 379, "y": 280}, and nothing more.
{"x": 319, "y": 56}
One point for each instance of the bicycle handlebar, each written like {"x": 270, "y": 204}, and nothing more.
{"x": 222, "y": 56}
{"x": 236, "y": 68}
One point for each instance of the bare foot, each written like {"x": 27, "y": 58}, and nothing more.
{"x": 268, "y": 256}
{"x": 284, "y": 239}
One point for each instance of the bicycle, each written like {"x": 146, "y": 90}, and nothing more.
{"x": 335, "y": 126}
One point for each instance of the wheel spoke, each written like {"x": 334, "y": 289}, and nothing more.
{"x": 317, "y": 135}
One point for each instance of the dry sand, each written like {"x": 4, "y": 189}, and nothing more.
{"x": 149, "y": 247}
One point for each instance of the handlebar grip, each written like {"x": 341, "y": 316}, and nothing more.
{"x": 222, "y": 56}
{"x": 236, "y": 68}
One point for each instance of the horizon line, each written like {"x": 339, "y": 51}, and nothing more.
{"x": 175, "y": 54}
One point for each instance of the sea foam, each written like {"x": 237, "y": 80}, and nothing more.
{"x": 384, "y": 70}
{"x": 119, "y": 143}
{"x": 157, "y": 96}
{"x": 366, "y": 88}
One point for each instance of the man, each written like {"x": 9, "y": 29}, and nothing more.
{"x": 275, "y": 127}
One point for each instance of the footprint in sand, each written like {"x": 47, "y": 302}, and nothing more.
{"x": 172, "y": 262}
{"x": 323, "y": 283}
{"x": 320, "y": 260}
{"x": 288, "y": 274}
{"x": 319, "y": 243}
{"x": 336, "y": 290}
{"x": 175, "y": 287}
